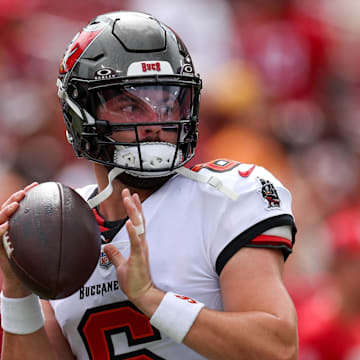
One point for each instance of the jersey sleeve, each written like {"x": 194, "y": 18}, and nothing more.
{"x": 260, "y": 217}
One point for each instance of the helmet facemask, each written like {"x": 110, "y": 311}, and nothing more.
{"x": 148, "y": 130}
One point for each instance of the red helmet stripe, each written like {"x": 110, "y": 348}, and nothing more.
{"x": 77, "y": 46}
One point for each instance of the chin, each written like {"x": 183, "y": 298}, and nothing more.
{"x": 143, "y": 183}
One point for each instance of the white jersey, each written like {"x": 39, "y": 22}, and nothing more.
{"x": 192, "y": 231}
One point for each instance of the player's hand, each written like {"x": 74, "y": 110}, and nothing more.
{"x": 133, "y": 273}
{"x": 8, "y": 209}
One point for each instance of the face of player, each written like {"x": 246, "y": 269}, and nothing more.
{"x": 148, "y": 105}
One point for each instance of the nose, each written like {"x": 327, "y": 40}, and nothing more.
{"x": 149, "y": 133}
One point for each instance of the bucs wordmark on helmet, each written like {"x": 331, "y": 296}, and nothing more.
{"x": 133, "y": 57}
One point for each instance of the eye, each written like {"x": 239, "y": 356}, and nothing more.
{"x": 130, "y": 108}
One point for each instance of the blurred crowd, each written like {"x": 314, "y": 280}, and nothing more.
{"x": 281, "y": 89}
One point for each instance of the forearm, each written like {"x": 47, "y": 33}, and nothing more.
{"x": 236, "y": 335}
{"x": 32, "y": 346}
{"x": 35, "y": 345}
{"x": 244, "y": 335}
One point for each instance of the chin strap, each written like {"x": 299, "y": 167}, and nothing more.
{"x": 99, "y": 198}
{"x": 211, "y": 180}
{"x": 192, "y": 175}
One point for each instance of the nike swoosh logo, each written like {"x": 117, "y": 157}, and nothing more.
{"x": 247, "y": 172}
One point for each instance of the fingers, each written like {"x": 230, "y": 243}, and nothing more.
{"x": 27, "y": 188}
{"x": 114, "y": 255}
{"x": 12, "y": 203}
{"x": 7, "y": 211}
{"x": 135, "y": 241}
{"x": 19, "y": 195}
{"x": 3, "y": 229}
{"x": 135, "y": 224}
{"x": 134, "y": 272}
{"x": 16, "y": 197}
{"x": 137, "y": 203}
{"x": 134, "y": 210}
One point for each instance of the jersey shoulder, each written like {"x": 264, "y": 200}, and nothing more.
{"x": 257, "y": 218}
{"x": 242, "y": 178}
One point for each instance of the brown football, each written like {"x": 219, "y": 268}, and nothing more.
{"x": 53, "y": 242}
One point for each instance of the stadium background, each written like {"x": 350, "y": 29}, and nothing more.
{"x": 281, "y": 89}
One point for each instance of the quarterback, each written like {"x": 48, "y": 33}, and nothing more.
{"x": 192, "y": 260}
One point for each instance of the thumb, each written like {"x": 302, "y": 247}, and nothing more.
{"x": 114, "y": 255}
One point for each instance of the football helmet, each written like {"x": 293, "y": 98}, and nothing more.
{"x": 126, "y": 74}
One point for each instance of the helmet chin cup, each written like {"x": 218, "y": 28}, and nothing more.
{"x": 155, "y": 156}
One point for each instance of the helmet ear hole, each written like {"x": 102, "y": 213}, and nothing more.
{"x": 69, "y": 137}
{"x": 73, "y": 91}
{"x": 77, "y": 93}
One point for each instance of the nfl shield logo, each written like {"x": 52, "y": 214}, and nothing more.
{"x": 104, "y": 261}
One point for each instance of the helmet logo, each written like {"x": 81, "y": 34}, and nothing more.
{"x": 77, "y": 47}
{"x": 155, "y": 66}
{"x": 149, "y": 68}
{"x": 105, "y": 73}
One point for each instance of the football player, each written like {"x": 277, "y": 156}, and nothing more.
{"x": 192, "y": 261}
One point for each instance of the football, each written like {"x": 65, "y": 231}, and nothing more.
{"x": 53, "y": 243}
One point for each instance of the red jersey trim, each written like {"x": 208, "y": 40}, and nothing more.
{"x": 100, "y": 221}
{"x": 271, "y": 240}
{"x": 252, "y": 237}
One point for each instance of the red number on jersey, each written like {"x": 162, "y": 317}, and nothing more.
{"x": 100, "y": 323}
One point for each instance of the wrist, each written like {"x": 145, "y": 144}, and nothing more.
{"x": 175, "y": 315}
{"x": 21, "y": 316}
{"x": 11, "y": 285}
{"x": 14, "y": 288}
{"x": 149, "y": 301}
